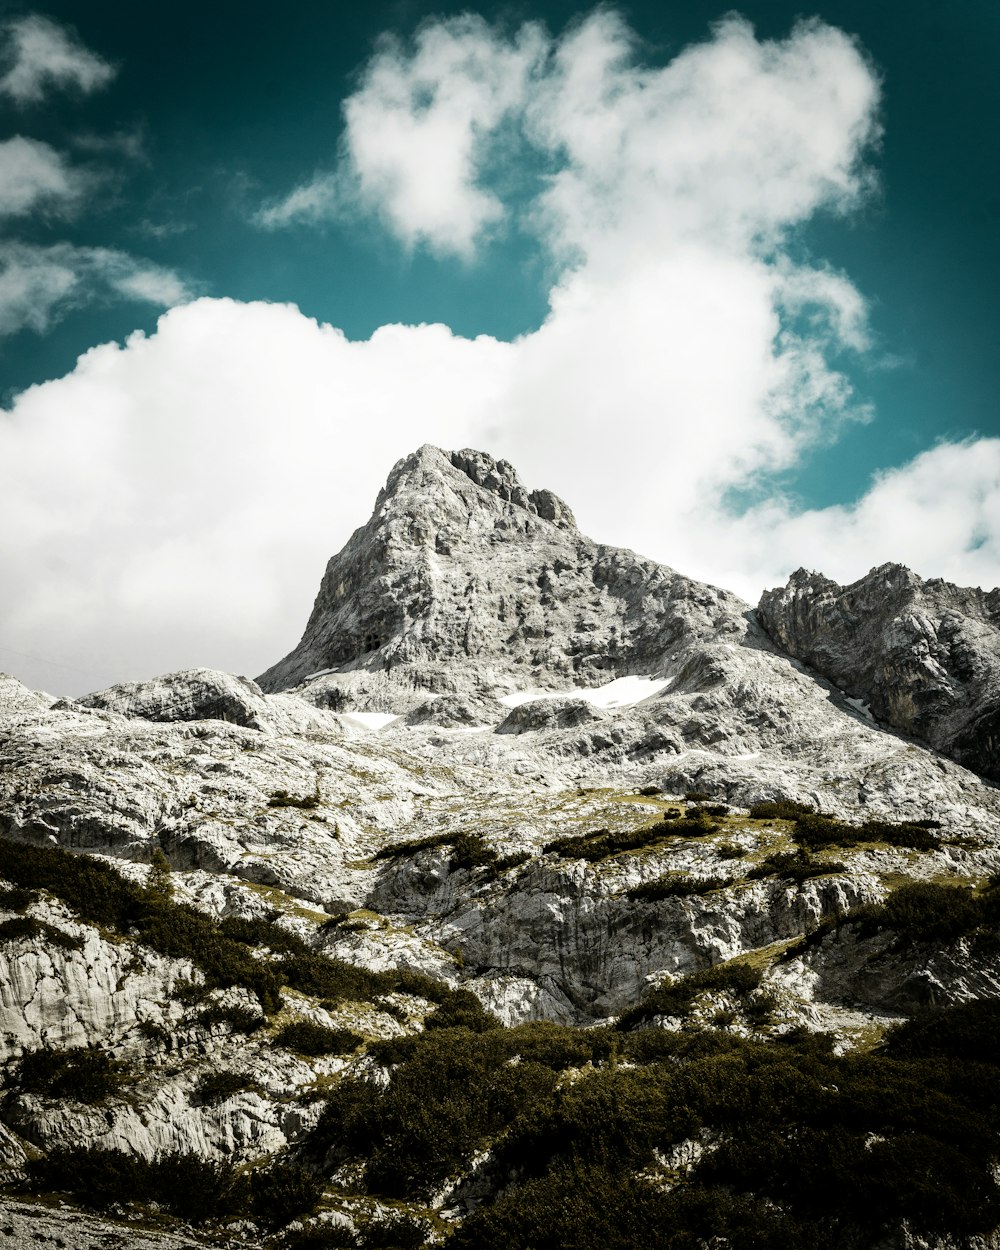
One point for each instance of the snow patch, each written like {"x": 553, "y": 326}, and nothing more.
{"x": 369, "y": 720}
{"x": 622, "y": 692}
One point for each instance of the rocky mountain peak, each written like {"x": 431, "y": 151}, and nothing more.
{"x": 464, "y": 581}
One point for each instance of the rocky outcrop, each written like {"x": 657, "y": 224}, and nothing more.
{"x": 923, "y": 656}
{"x": 195, "y": 694}
{"x": 463, "y": 582}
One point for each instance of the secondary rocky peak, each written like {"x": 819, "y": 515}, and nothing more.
{"x": 924, "y": 655}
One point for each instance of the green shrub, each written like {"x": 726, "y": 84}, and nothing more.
{"x": 602, "y": 843}
{"x": 281, "y": 1192}
{"x": 677, "y": 999}
{"x": 676, "y": 885}
{"x": 16, "y": 899}
{"x": 103, "y": 897}
{"x": 239, "y": 1019}
{"x": 81, "y": 1074}
{"x": 216, "y": 1087}
{"x": 468, "y": 850}
{"x": 779, "y": 809}
{"x": 28, "y": 927}
{"x": 281, "y": 798}
{"x": 188, "y": 1186}
{"x": 795, "y": 866}
{"x": 462, "y": 1010}
{"x": 306, "y": 1037}
{"x": 923, "y": 911}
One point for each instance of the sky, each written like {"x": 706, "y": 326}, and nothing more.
{"x": 725, "y": 280}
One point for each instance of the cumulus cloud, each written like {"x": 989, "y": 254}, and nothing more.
{"x": 176, "y": 497}
{"x": 34, "y": 176}
{"x": 418, "y": 131}
{"x": 39, "y": 283}
{"x": 39, "y": 55}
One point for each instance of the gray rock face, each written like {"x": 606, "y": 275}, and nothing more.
{"x": 195, "y": 694}
{"x": 924, "y": 655}
{"x": 464, "y": 581}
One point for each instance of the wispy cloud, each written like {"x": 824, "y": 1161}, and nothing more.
{"x": 39, "y": 55}
{"x": 34, "y": 177}
{"x": 39, "y": 284}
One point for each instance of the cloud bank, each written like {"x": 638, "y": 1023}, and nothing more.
{"x": 179, "y": 495}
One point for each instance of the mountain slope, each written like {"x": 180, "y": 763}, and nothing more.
{"x": 333, "y": 936}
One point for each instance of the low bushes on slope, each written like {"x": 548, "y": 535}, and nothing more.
{"x": 101, "y": 896}
{"x": 186, "y": 1185}
{"x": 602, "y": 843}
{"x": 79, "y": 1073}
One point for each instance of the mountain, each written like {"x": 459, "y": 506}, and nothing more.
{"x": 923, "y": 655}
{"x": 540, "y": 896}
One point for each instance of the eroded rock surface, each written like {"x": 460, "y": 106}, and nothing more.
{"x": 923, "y": 655}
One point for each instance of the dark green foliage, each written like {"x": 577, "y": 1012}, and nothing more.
{"x": 697, "y": 796}
{"x": 795, "y": 866}
{"x": 239, "y": 1019}
{"x": 968, "y": 1032}
{"x": 80, "y": 1074}
{"x": 779, "y": 809}
{"x": 306, "y": 1037}
{"x": 28, "y": 927}
{"x": 186, "y": 1185}
{"x": 281, "y": 798}
{"x": 462, "y": 1010}
{"x": 813, "y": 831}
{"x": 676, "y": 885}
{"x": 215, "y": 1087}
{"x": 506, "y": 862}
{"x": 677, "y": 999}
{"x": 103, "y": 897}
{"x": 281, "y": 1192}
{"x": 468, "y": 850}
{"x": 16, "y": 899}
{"x": 923, "y": 912}
{"x": 393, "y": 1232}
{"x": 730, "y": 850}
{"x": 672, "y": 813}
{"x": 322, "y": 1237}
{"x": 260, "y": 932}
{"x": 649, "y": 792}
{"x": 602, "y": 843}
{"x": 451, "y": 1092}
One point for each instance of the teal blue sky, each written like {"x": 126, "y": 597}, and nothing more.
{"x": 235, "y": 102}
{"x": 173, "y": 494}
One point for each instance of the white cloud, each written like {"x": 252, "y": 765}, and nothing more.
{"x": 38, "y": 284}
{"x": 417, "y": 133}
{"x": 34, "y": 176}
{"x": 312, "y": 202}
{"x": 176, "y": 498}
{"x": 39, "y": 55}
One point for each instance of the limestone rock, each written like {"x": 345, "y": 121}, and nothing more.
{"x": 462, "y": 581}
{"x": 924, "y": 656}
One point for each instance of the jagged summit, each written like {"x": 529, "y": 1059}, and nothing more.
{"x": 465, "y": 581}
{"x": 923, "y": 654}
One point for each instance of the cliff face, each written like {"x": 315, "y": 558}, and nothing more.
{"x": 923, "y": 655}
